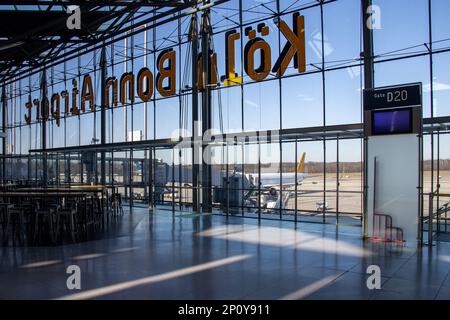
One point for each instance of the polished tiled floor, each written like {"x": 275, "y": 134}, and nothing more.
{"x": 165, "y": 256}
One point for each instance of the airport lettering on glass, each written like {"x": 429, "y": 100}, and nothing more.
{"x": 257, "y": 56}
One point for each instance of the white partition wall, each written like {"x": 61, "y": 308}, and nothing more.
{"x": 394, "y": 184}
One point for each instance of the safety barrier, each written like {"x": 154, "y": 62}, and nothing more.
{"x": 384, "y": 231}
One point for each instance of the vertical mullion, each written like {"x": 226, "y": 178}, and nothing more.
{"x": 296, "y": 183}
{"x": 438, "y": 174}
{"x": 324, "y": 114}
{"x": 242, "y": 101}
{"x": 280, "y": 109}
{"x": 259, "y": 177}
{"x": 180, "y": 101}
{"x": 337, "y": 179}
{"x": 80, "y": 161}
{"x": 145, "y": 177}
{"x": 430, "y": 49}
{"x": 132, "y": 127}
{"x": 111, "y": 171}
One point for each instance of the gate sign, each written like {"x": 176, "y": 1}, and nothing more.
{"x": 409, "y": 95}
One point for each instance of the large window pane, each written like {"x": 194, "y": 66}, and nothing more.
{"x": 343, "y": 97}
{"x": 302, "y": 101}
{"x": 441, "y": 84}
{"x": 404, "y": 26}
{"x": 406, "y": 71}
{"x": 342, "y": 25}
{"x": 262, "y": 106}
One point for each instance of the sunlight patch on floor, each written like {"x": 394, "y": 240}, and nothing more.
{"x": 94, "y": 293}
{"x": 285, "y": 238}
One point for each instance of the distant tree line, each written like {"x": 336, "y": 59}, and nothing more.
{"x": 331, "y": 167}
{"x": 443, "y": 164}
{"x": 310, "y": 167}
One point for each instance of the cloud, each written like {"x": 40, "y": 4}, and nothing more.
{"x": 437, "y": 86}
{"x": 305, "y": 97}
{"x": 251, "y": 104}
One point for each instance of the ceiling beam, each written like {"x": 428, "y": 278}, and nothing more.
{"x": 96, "y": 3}
{"x": 105, "y": 37}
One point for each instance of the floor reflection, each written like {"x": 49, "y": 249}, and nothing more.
{"x": 177, "y": 256}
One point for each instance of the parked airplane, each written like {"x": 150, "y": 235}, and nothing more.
{"x": 271, "y": 196}
{"x": 272, "y": 180}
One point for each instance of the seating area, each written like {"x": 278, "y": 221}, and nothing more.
{"x": 37, "y": 216}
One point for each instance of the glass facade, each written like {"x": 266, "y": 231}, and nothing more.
{"x": 316, "y": 112}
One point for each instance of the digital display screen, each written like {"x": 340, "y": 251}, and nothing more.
{"x": 392, "y": 121}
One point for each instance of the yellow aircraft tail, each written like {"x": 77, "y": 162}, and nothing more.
{"x": 301, "y": 163}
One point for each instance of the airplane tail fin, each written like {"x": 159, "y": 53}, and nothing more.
{"x": 301, "y": 163}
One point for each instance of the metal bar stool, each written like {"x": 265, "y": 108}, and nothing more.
{"x": 116, "y": 204}
{"x": 98, "y": 211}
{"x": 17, "y": 220}
{"x": 41, "y": 215}
{"x": 66, "y": 218}
{"x": 5, "y": 218}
